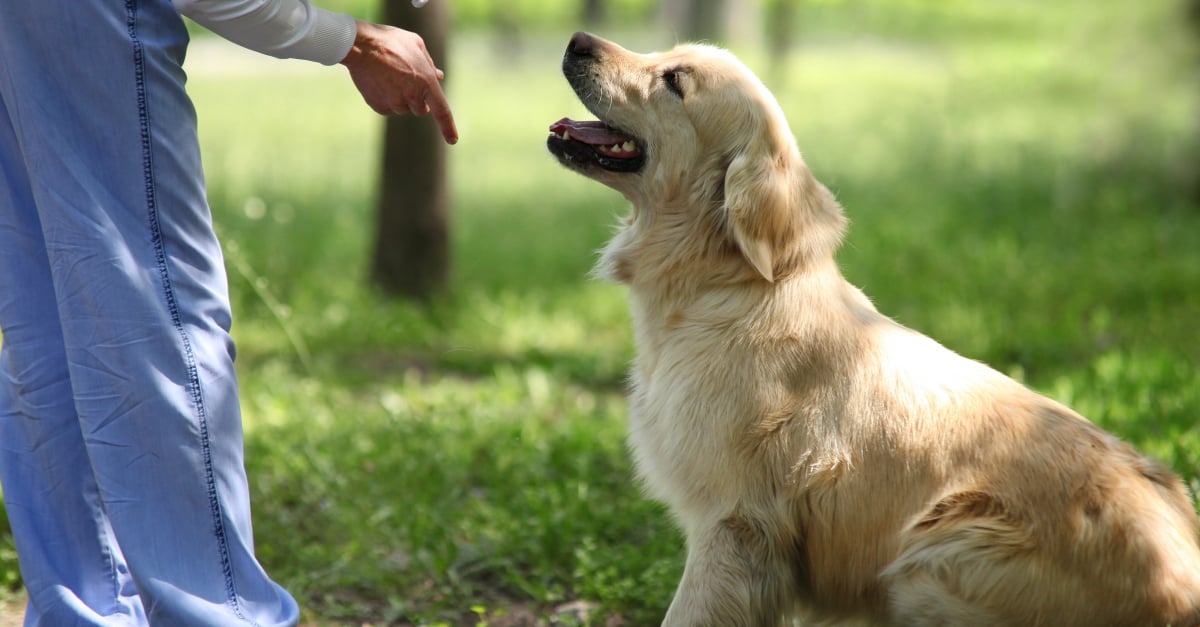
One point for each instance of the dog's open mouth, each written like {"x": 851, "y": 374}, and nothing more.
{"x": 580, "y": 144}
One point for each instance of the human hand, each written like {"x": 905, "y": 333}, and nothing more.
{"x": 395, "y": 75}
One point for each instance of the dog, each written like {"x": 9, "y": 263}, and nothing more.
{"x": 824, "y": 461}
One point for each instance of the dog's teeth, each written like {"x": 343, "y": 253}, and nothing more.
{"x": 566, "y": 134}
{"x": 628, "y": 146}
{"x": 615, "y": 148}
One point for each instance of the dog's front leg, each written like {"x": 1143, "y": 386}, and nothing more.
{"x": 731, "y": 578}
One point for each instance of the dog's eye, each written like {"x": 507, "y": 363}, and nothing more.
{"x": 671, "y": 80}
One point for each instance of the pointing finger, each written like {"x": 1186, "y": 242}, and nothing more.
{"x": 436, "y": 103}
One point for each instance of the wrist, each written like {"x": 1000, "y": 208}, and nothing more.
{"x": 364, "y": 40}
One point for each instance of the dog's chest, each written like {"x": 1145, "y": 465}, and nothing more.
{"x": 689, "y": 411}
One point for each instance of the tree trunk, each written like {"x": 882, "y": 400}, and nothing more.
{"x": 412, "y": 236}
{"x": 593, "y": 13}
{"x": 779, "y": 27}
{"x": 707, "y": 21}
{"x": 697, "y": 20}
{"x": 713, "y": 21}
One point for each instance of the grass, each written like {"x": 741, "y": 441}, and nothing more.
{"x": 1023, "y": 188}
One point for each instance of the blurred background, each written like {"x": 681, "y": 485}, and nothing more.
{"x": 433, "y": 384}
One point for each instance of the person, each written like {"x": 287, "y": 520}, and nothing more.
{"x": 121, "y": 450}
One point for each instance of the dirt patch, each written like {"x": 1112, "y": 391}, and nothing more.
{"x": 12, "y": 609}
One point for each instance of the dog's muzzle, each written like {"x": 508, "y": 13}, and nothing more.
{"x": 582, "y": 144}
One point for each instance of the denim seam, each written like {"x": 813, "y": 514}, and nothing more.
{"x": 106, "y": 549}
{"x": 155, "y": 226}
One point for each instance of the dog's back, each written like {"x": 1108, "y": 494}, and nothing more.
{"x": 1036, "y": 516}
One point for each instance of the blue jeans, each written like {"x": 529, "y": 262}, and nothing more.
{"x": 120, "y": 431}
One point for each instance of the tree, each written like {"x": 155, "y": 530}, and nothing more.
{"x": 780, "y": 26}
{"x": 697, "y": 20}
{"x": 412, "y": 236}
{"x": 593, "y": 13}
{"x": 713, "y": 21}
{"x": 1193, "y": 11}
{"x": 780, "y": 30}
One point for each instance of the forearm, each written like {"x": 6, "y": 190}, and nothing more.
{"x": 293, "y": 29}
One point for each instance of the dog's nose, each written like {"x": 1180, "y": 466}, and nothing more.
{"x": 581, "y": 45}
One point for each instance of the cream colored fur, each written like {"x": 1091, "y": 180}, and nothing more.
{"x": 823, "y": 460}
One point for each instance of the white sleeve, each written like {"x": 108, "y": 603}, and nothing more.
{"x": 288, "y": 29}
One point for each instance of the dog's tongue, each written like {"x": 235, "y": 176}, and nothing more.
{"x": 592, "y": 132}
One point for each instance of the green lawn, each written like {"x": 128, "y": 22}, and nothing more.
{"x": 1022, "y": 182}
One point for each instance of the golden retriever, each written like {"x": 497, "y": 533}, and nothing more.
{"x": 823, "y": 460}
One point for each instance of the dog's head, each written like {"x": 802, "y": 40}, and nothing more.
{"x": 700, "y": 147}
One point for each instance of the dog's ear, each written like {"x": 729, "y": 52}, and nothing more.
{"x": 759, "y": 192}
